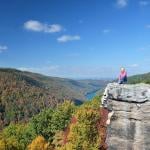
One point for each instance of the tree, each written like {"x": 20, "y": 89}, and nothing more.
{"x": 39, "y": 143}
{"x": 16, "y": 136}
{"x": 42, "y": 123}
{"x": 62, "y": 115}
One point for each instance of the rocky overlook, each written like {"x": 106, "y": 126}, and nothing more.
{"x": 128, "y": 124}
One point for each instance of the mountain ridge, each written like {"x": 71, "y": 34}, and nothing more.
{"x": 139, "y": 78}
{"x": 24, "y": 94}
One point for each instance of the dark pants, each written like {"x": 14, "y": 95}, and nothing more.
{"x": 123, "y": 80}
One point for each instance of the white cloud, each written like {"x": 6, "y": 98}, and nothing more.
{"x": 122, "y": 3}
{"x": 67, "y": 38}
{"x": 134, "y": 65}
{"x": 106, "y": 31}
{"x": 144, "y": 3}
{"x": 53, "y": 28}
{"x": 37, "y": 26}
{"x": 3, "y": 48}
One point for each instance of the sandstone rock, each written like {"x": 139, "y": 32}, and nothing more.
{"x": 129, "y": 127}
{"x": 138, "y": 93}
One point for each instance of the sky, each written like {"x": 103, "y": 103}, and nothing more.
{"x": 75, "y": 38}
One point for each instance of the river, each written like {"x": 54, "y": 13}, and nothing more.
{"x": 90, "y": 95}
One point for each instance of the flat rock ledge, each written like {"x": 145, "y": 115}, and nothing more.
{"x": 129, "y": 118}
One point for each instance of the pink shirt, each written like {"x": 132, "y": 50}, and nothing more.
{"x": 122, "y": 75}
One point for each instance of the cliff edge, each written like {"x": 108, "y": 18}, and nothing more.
{"x": 128, "y": 124}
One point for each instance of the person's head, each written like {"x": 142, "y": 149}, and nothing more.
{"x": 122, "y": 69}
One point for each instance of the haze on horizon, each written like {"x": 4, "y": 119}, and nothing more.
{"x": 74, "y": 38}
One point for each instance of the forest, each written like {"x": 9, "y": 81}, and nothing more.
{"x": 25, "y": 94}
{"x": 65, "y": 127}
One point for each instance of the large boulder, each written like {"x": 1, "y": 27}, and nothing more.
{"x": 129, "y": 119}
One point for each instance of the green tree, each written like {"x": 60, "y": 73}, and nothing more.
{"x": 42, "y": 123}
{"x": 39, "y": 143}
{"x": 16, "y": 136}
{"x": 62, "y": 115}
{"x": 49, "y": 121}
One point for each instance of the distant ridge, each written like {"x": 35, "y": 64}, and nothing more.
{"x": 140, "y": 78}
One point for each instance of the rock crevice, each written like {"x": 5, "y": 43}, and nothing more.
{"x": 129, "y": 117}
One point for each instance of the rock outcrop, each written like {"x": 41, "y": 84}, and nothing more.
{"x": 129, "y": 119}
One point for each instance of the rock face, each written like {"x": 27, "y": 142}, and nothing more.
{"x": 129, "y": 126}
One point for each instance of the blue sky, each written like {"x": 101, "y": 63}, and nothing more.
{"x": 75, "y": 38}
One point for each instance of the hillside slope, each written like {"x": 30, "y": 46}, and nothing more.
{"x": 24, "y": 94}
{"x": 79, "y": 87}
{"x": 141, "y": 78}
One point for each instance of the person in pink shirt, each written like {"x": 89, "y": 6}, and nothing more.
{"x": 122, "y": 76}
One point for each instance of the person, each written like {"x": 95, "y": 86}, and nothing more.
{"x": 122, "y": 76}
{"x": 122, "y": 80}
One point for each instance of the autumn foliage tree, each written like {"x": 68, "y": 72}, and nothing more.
{"x": 16, "y": 137}
{"x": 39, "y": 143}
{"x": 84, "y": 134}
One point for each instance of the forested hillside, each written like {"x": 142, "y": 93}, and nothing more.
{"x": 24, "y": 94}
{"x": 141, "y": 78}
